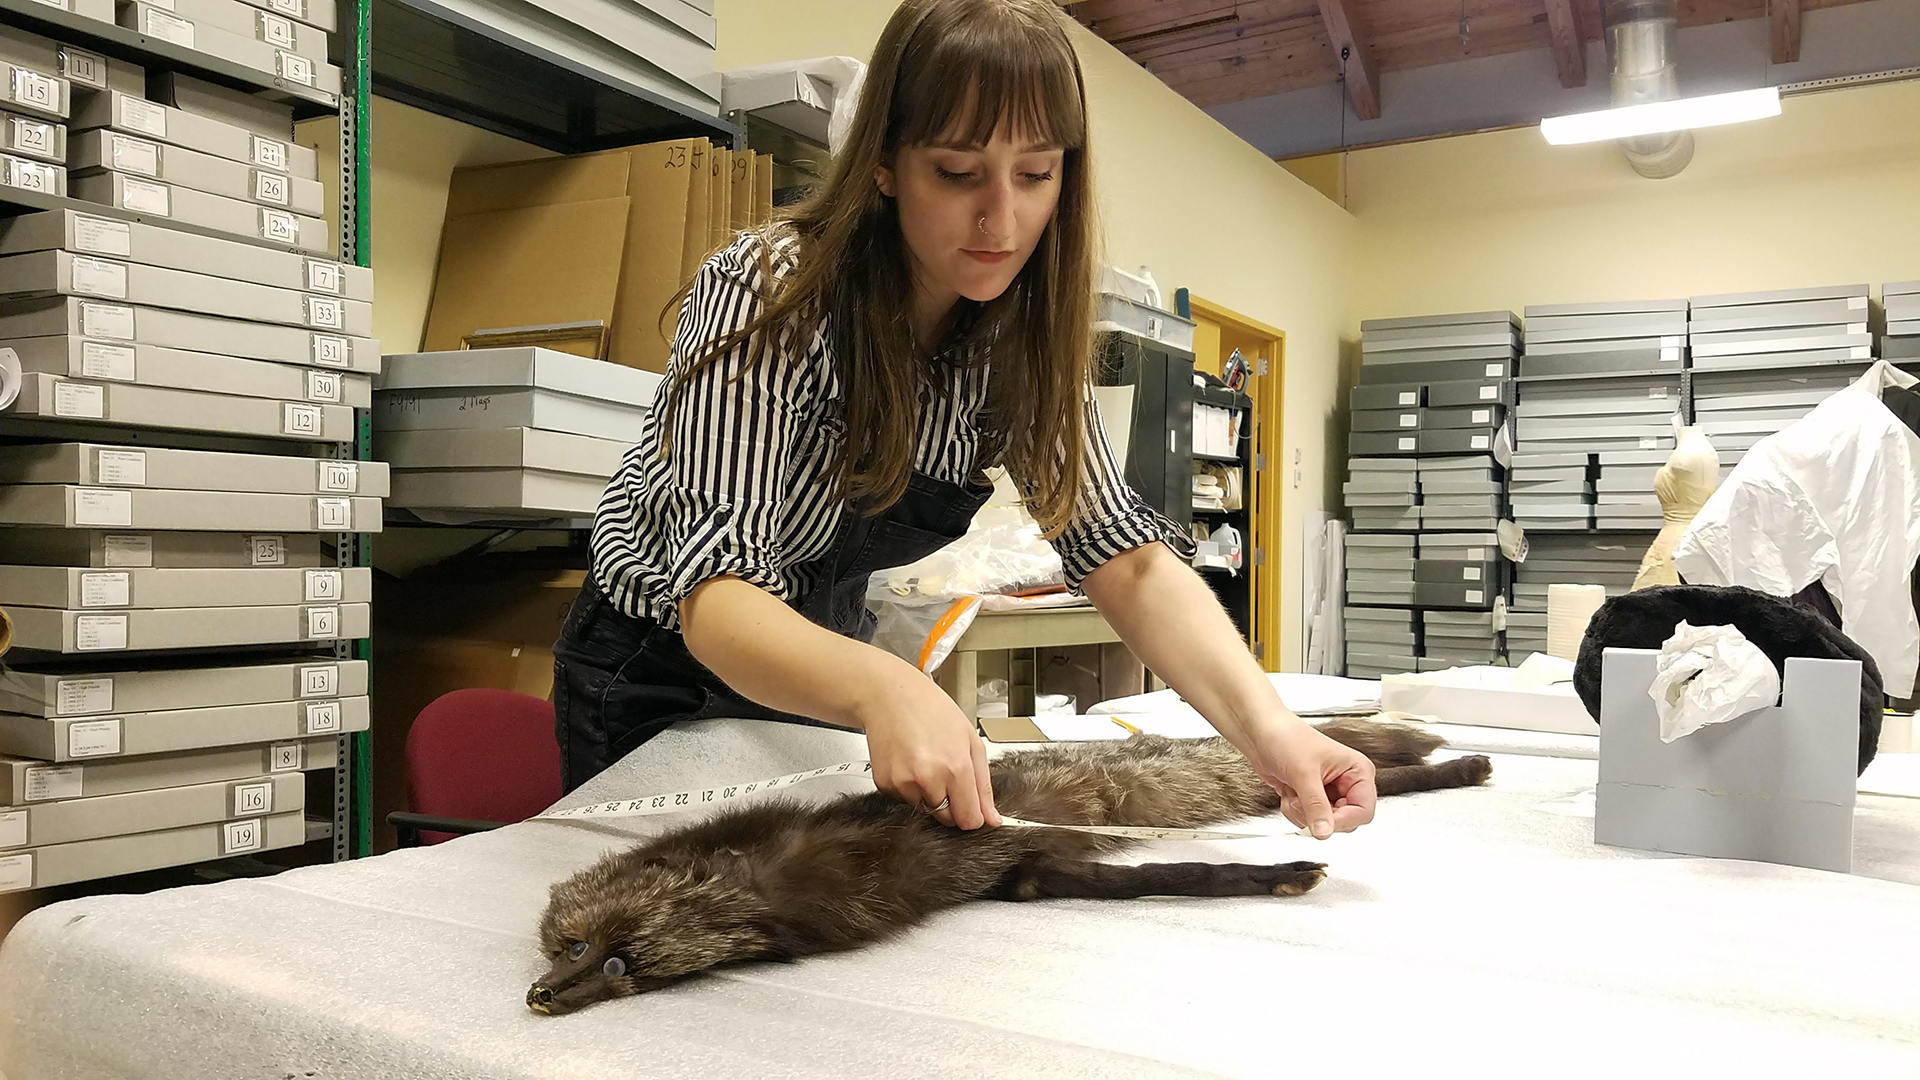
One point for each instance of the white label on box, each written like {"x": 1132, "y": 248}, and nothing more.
{"x": 279, "y": 226}
{"x": 326, "y": 277}
{"x": 340, "y": 476}
{"x": 1410, "y": 397}
{"x": 333, "y": 515}
{"x": 83, "y": 67}
{"x": 13, "y": 828}
{"x": 324, "y": 585}
{"x": 323, "y": 622}
{"x": 166, "y": 4}
{"x": 99, "y": 361}
{"x": 63, "y": 5}
{"x": 270, "y": 186}
{"x": 1494, "y": 371}
{"x": 330, "y": 351}
{"x": 32, "y": 176}
{"x": 93, "y": 738}
{"x": 82, "y": 697}
{"x": 16, "y": 873}
{"x": 32, "y": 88}
{"x": 98, "y": 277}
{"x": 321, "y": 680}
{"x": 111, "y": 321}
{"x": 326, "y": 313}
{"x": 323, "y": 717}
{"x": 136, "y": 551}
{"x": 103, "y": 506}
{"x": 269, "y": 153}
{"x": 1408, "y": 444}
{"x": 1483, "y": 416}
{"x": 286, "y": 757}
{"x": 324, "y": 386}
{"x": 295, "y": 8}
{"x": 1856, "y": 328}
{"x": 276, "y": 31}
{"x": 80, "y": 401}
{"x": 1410, "y": 420}
{"x": 114, "y": 589}
{"x": 136, "y": 156}
{"x": 99, "y": 633}
{"x": 237, "y": 837}
{"x": 146, "y": 196}
{"x": 54, "y": 782}
{"x": 1477, "y": 554}
{"x": 1471, "y": 573}
{"x": 1649, "y": 443}
{"x": 121, "y": 468}
{"x": 1489, "y": 393}
{"x": 295, "y": 68}
{"x": 170, "y": 27}
{"x": 1657, "y": 393}
{"x": 1480, "y": 442}
{"x": 267, "y": 550}
{"x": 102, "y": 237}
{"x": 33, "y": 135}
{"x": 143, "y": 116}
{"x": 1475, "y": 596}
{"x": 299, "y": 419}
{"x": 252, "y": 799}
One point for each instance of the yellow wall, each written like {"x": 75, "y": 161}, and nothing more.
{"x": 1824, "y": 194}
{"x": 1183, "y": 196}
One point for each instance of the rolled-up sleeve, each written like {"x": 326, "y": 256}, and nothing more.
{"x": 1110, "y": 517}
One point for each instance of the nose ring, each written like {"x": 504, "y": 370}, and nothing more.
{"x": 983, "y": 223}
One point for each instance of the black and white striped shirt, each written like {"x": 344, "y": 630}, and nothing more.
{"x": 747, "y": 490}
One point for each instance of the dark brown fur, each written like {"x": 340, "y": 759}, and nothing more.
{"x": 778, "y": 880}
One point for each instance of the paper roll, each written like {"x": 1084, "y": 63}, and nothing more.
{"x": 1569, "y": 609}
{"x": 10, "y": 377}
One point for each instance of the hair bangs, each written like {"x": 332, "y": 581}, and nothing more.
{"x": 987, "y": 66}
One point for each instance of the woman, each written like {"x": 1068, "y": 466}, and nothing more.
{"x": 837, "y": 386}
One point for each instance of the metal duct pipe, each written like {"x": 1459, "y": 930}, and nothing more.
{"x": 1641, "y": 47}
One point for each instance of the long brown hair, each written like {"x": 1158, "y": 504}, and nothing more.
{"x": 945, "y": 68}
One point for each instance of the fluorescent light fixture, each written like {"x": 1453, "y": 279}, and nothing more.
{"x": 1660, "y": 116}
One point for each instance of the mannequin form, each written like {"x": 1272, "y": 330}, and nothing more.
{"x": 1684, "y": 483}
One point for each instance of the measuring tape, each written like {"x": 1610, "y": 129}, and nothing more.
{"x": 680, "y": 801}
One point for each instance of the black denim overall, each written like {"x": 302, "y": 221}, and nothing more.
{"x": 619, "y": 681}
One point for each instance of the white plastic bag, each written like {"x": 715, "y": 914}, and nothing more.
{"x": 1710, "y": 675}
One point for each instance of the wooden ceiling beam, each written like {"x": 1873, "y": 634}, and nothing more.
{"x": 1786, "y": 30}
{"x": 1569, "y": 49}
{"x": 1350, "y": 50}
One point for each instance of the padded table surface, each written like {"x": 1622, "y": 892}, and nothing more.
{"x": 1473, "y": 930}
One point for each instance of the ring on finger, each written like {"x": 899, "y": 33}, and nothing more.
{"x": 944, "y": 803}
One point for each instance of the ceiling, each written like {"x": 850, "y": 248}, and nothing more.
{"x": 1215, "y": 52}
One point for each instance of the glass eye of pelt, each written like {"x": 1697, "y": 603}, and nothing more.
{"x": 576, "y": 950}
{"x": 614, "y": 967}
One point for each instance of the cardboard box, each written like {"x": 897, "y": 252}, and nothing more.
{"x": 138, "y": 195}
{"x": 135, "y": 115}
{"x": 513, "y": 388}
{"x": 720, "y": 207}
{"x": 64, "y": 506}
{"x": 184, "y": 685}
{"x": 32, "y": 137}
{"x": 268, "y": 57}
{"x": 250, "y": 24}
{"x": 71, "y": 632}
{"x": 62, "y": 273}
{"x": 65, "y": 864}
{"x": 96, "y": 465}
{"x": 104, "y": 321}
{"x": 48, "y": 397}
{"x": 319, "y": 14}
{"x": 150, "y": 811}
{"x": 143, "y": 590}
{"x": 85, "y": 234}
{"x": 26, "y": 782}
{"x": 743, "y": 191}
{"x": 150, "y": 365}
{"x": 29, "y": 175}
{"x": 26, "y": 546}
{"x": 26, "y": 89}
{"x": 95, "y": 151}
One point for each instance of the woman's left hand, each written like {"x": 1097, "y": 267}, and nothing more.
{"x": 1324, "y": 786}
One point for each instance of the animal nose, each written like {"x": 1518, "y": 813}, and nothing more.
{"x": 540, "y": 998}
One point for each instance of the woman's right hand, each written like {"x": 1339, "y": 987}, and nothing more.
{"x": 924, "y": 749}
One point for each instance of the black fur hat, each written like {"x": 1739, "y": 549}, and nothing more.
{"x": 1780, "y": 628}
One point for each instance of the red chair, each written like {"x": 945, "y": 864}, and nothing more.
{"x": 477, "y": 760}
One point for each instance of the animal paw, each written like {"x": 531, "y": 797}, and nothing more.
{"x": 1476, "y": 769}
{"x": 1294, "y": 879}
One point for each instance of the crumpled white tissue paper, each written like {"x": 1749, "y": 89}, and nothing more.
{"x": 1710, "y": 675}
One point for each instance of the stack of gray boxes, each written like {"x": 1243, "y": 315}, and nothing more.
{"x": 1901, "y": 301}
{"x": 1763, "y": 360}
{"x": 43, "y": 85}
{"x": 1427, "y": 416}
{"x": 1610, "y": 561}
{"x": 1458, "y": 571}
{"x": 170, "y": 539}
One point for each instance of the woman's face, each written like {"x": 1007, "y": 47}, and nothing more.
{"x": 972, "y": 215}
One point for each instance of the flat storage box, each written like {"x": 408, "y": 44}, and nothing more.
{"x": 104, "y": 550}
{"x": 44, "y": 54}
{"x": 62, "y": 273}
{"x": 25, "y": 781}
{"x": 62, "y": 739}
{"x": 1761, "y": 342}
{"x": 1455, "y": 442}
{"x": 1856, "y": 355}
{"x": 1481, "y": 698}
{"x": 509, "y": 492}
{"x": 135, "y": 115}
{"x": 1372, "y": 374}
{"x": 1486, "y": 416}
{"x": 1470, "y": 392}
{"x": 65, "y": 864}
{"x": 1378, "y": 420}
{"x": 1449, "y": 572}
{"x": 319, "y": 14}
{"x": 68, "y": 631}
{"x": 240, "y": 108}
{"x": 96, "y": 590}
{"x": 1577, "y": 365}
{"x": 48, "y": 397}
{"x": 509, "y": 388}
{"x": 1806, "y": 313}
{"x": 33, "y": 137}
{"x": 1393, "y": 396}
{"x": 97, "y": 465}
{"x": 1644, "y": 324}
{"x": 103, "y": 321}
{"x": 142, "y": 196}
{"x": 29, "y": 91}
{"x": 91, "y": 71}
{"x": 113, "y": 151}
{"x": 1602, "y": 307}
{"x": 154, "y": 245}
{"x": 150, "y": 811}
{"x": 67, "y": 506}
{"x": 1417, "y": 361}
{"x": 1148, "y": 322}
{"x": 185, "y": 685}
{"x": 27, "y": 174}
{"x": 267, "y": 57}
{"x": 151, "y": 365}
{"x": 1778, "y": 296}
{"x": 235, "y": 19}
{"x": 1362, "y": 443}
{"x": 1458, "y": 318}
{"x": 1429, "y": 594}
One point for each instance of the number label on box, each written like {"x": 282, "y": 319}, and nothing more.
{"x": 111, "y": 321}
{"x": 322, "y": 680}
{"x": 82, "y": 697}
{"x": 326, "y": 313}
{"x": 36, "y": 90}
{"x": 279, "y": 226}
{"x": 79, "y": 401}
{"x": 340, "y": 476}
{"x": 324, "y": 585}
{"x": 286, "y": 757}
{"x": 276, "y": 31}
{"x": 267, "y": 550}
{"x": 269, "y": 153}
{"x": 333, "y": 515}
{"x": 1410, "y": 420}
{"x": 323, "y": 623}
{"x": 331, "y": 351}
{"x": 323, "y": 386}
{"x": 300, "y": 420}
{"x": 294, "y": 68}
{"x": 109, "y": 589}
{"x": 1408, "y": 444}
{"x": 252, "y": 799}
{"x": 99, "y": 277}
{"x": 32, "y": 136}
{"x": 16, "y": 873}
{"x": 32, "y": 176}
{"x": 170, "y": 27}
{"x": 1481, "y": 442}
{"x": 271, "y": 187}
{"x": 133, "y": 551}
{"x": 326, "y": 277}
{"x": 83, "y": 67}
{"x": 237, "y": 837}
{"x": 103, "y": 506}
{"x": 99, "y": 633}
{"x": 1471, "y": 573}
{"x": 295, "y": 8}
{"x": 93, "y": 738}
{"x": 1475, "y": 596}
{"x": 55, "y": 782}
{"x": 98, "y": 236}
{"x": 323, "y": 718}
